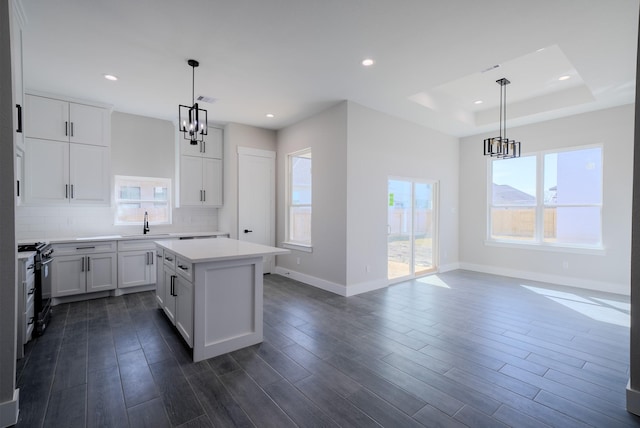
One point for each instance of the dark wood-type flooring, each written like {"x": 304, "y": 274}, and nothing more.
{"x": 450, "y": 350}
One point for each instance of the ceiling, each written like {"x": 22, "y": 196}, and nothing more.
{"x": 294, "y": 58}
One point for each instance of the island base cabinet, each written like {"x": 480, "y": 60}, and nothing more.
{"x": 228, "y": 299}
{"x": 168, "y": 297}
{"x": 184, "y": 309}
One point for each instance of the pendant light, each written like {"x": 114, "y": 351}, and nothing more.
{"x": 192, "y": 120}
{"x": 501, "y": 146}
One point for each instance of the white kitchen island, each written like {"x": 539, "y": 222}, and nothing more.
{"x": 211, "y": 290}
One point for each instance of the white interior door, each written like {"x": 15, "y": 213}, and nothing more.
{"x": 256, "y": 198}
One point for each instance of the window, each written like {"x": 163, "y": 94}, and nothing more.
{"x": 552, "y": 198}
{"x": 299, "y": 199}
{"x": 136, "y": 195}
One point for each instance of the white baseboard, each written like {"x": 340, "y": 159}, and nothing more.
{"x": 588, "y": 284}
{"x": 9, "y": 410}
{"x": 333, "y": 287}
{"x": 448, "y": 267}
{"x": 633, "y": 400}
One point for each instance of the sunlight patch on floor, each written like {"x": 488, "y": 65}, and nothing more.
{"x": 605, "y": 310}
{"x": 433, "y": 280}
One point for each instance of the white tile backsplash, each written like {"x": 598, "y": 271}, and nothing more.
{"x": 42, "y": 223}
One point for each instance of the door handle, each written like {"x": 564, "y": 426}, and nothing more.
{"x": 66, "y": 128}
{"x": 19, "y": 107}
{"x": 72, "y": 129}
{"x": 88, "y": 263}
{"x": 72, "y": 191}
{"x": 248, "y": 231}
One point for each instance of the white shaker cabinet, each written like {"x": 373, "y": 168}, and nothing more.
{"x": 80, "y": 268}
{"x": 59, "y": 120}
{"x": 210, "y": 147}
{"x": 161, "y": 288}
{"x": 26, "y": 293}
{"x": 16, "y": 23}
{"x": 136, "y": 263}
{"x": 201, "y": 170}
{"x": 200, "y": 181}
{"x": 177, "y": 287}
{"x": 67, "y": 153}
{"x": 63, "y": 173}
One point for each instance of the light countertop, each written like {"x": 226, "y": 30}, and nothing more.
{"x": 149, "y": 236}
{"x": 217, "y": 249}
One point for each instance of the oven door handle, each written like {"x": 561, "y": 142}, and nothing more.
{"x": 46, "y": 261}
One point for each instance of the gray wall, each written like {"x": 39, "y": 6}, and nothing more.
{"x": 142, "y": 146}
{"x": 326, "y": 135}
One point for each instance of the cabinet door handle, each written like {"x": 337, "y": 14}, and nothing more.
{"x": 200, "y": 195}
{"x": 173, "y": 285}
{"x": 204, "y": 147}
{"x": 72, "y": 129}
{"x": 33, "y": 290}
{"x": 72, "y": 191}
{"x": 18, "y": 188}
{"x": 66, "y": 191}
{"x": 151, "y": 257}
{"x": 31, "y": 320}
{"x": 88, "y": 263}
{"x": 66, "y": 128}
{"x": 204, "y": 196}
{"x": 82, "y": 268}
{"x": 19, "y": 107}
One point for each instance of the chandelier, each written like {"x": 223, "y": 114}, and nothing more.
{"x": 192, "y": 119}
{"x": 501, "y": 146}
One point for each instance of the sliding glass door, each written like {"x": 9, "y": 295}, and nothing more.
{"x": 411, "y": 228}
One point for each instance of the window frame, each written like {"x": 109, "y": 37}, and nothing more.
{"x": 538, "y": 242}
{"x": 117, "y": 201}
{"x": 288, "y": 242}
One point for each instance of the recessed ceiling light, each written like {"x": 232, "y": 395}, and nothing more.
{"x": 565, "y": 77}
{"x": 367, "y": 62}
{"x": 110, "y": 77}
{"x": 270, "y": 115}
{"x": 478, "y": 102}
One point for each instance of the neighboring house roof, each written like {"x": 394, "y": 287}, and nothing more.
{"x": 504, "y": 194}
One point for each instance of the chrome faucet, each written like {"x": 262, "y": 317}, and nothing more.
{"x": 145, "y": 226}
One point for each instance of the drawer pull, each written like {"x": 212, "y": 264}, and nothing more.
{"x": 33, "y": 290}
{"x": 169, "y": 259}
{"x": 86, "y": 248}
{"x": 183, "y": 267}
{"x": 31, "y": 320}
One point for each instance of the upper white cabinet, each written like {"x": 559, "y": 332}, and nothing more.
{"x": 63, "y": 173}
{"x": 201, "y": 171}
{"x": 67, "y": 153}
{"x": 59, "y": 120}
{"x": 200, "y": 181}
{"x": 17, "y": 23}
{"x": 211, "y": 147}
